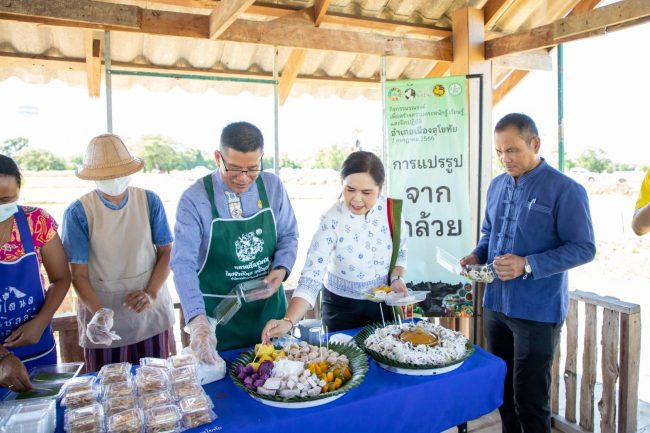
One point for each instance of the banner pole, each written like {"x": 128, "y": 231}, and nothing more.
{"x": 384, "y": 131}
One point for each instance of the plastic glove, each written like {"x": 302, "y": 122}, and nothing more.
{"x": 203, "y": 340}
{"x": 99, "y": 331}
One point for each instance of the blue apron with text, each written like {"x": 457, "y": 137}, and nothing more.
{"x": 22, "y": 296}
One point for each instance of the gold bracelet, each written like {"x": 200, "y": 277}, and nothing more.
{"x": 289, "y": 320}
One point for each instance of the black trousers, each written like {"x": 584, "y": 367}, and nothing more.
{"x": 527, "y": 347}
{"x": 341, "y": 313}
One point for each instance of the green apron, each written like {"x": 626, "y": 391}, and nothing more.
{"x": 240, "y": 250}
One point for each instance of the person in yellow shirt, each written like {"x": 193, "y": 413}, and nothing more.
{"x": 641, "y": 219}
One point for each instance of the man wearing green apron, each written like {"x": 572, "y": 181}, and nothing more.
{"x": 234, "y": 225}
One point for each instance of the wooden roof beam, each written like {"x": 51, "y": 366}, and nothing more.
{"x": 225, "y": 13}
{"x": 578, "y": 26}
{"x": 290, "y": 73}
{"x": 92, "y": 45}
{"x": 539, "y": 60}
{"x": 320, "y": 9}
{"x": 295, "y": 31}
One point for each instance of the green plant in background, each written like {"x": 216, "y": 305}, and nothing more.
{"x": 332, "y": 157}
{"x": 38, "y": 160}
{"x": 11, "y": 146}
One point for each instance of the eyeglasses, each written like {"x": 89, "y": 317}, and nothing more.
{"x": 235, "y": 172}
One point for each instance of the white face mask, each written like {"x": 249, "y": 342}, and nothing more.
{"x": 113, "y": 187}
{"x": 7, "y": 210}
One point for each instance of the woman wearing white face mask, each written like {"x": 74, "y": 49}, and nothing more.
{"x": 359, "y": 245}
{"x": 118, "y": 244}
{"x": 28, "y": 238}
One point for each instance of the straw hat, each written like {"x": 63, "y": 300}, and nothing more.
{"x": 107, "y": 158}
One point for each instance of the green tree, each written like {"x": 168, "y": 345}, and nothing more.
{"x": 285, "y": 161}
{"x": 38, "y": 160}
{"x": 332, "y": 157}
{"x": 158, "y": 153}
{"x": 11, "y": 146}
{"x": 594, "y": 160}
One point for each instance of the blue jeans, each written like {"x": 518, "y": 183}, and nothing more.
{"x": 527, "y": 347}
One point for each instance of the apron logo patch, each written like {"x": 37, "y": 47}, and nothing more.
{"x": 248, "y": 246}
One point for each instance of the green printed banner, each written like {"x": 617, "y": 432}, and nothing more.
{"x": 428, "y": 141}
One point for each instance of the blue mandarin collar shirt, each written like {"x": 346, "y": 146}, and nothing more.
{"x": 545, "y": 217}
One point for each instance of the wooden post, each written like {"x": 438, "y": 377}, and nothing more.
{"x": 607, "y": 403}
{"x": 570, "y": 366}
{"x": 588, "y": 382}
{"x": 66, "y": 325}
{"x": 630, "y": 357}
{"x": 555, "y": 381}
{"x": 185, "y": 337}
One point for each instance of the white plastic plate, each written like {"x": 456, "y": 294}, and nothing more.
{"x": 420, "y": 372}
{"x": 297, "y": 404}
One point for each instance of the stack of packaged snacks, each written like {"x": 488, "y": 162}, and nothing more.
{"x": 163, "y": 419}
{"x": 86, "y": 419}
{"x": 127, "y": 421}
{"x": 79, "y": 392}
{"x": 196, "y": 410}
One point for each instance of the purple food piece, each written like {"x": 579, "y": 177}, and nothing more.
{"x": 259, "y": 382}
{"x": 265, "y": 367}
{"x": 238, "y": 370}
{"x": 255, "y": 376}
{"x": 241, "y": 375}
{"x": 248, "y": 381}
{"x": 250, "y": 369}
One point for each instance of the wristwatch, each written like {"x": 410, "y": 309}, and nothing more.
{"x": 395, "y": 278}
{"x": 527, "y": 269}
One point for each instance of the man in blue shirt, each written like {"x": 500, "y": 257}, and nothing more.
{"x": 537, "y": 226}
{"x": 234, "y": 225}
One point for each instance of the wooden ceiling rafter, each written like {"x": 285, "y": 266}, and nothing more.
{"x": 320, "y": 9}
{"x": 293, "y": 31}
{"x": 575, "y": 26}
{"x": 92, "y": 47}
{"x": 290, "y": 73}
{"x": 515, "y": 77}
{"x": 269, "y": 11}
{"x": 225, "y": 13}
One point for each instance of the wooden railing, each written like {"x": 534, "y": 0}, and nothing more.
{"x": 620, "y": 357}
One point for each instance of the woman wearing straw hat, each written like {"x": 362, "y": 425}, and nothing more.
{"x": 118, "y": 243}
{"x": 28, "y": 239}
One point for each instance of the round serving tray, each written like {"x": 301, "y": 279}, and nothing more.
{"x": 419, "y": 372}
{"x": 296, "y": 404}
{"x": 358, "y": 366}
{"x": 395, "y": 366}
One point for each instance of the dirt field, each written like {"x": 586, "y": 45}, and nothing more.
{"x": 621, "y": 268}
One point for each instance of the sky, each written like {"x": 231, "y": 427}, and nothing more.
{"x": 606, "y": 105}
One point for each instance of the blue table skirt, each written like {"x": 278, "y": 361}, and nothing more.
{"x": 384, "y": 402}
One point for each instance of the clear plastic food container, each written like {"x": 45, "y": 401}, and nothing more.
{"x": 118, "y": 389}
{"x": 186, "y": 389}
{"x": 79, "y": 384}
{"x": 119, "y": 404}
{"x": 163, "y": 364}
{"x": 118, "y": 372}
{"x": 128, "y": 421}
{"x": 154, "y": 399}
{"x": 87, "y": 419}
{"x": 48, "y": 381}
{"x": 80, "y": 398}
{"x": 33, "y": 416}
{"x": 151, "y": 379}
{"x": 178, "y": 361}
{"x": 163, "y": 419}
{"x": 395, "y": 299}
{"x": 253, "y": 290}
{"x": 227, "y": 307}
{"x": 196, "y": 410}
{"x": 479, "y": 273}
{"x": 181, "y": 374}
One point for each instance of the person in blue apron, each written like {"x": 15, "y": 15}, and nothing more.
{"x": 118, "y": 243}
{"x": 28, "y": 238}
{"x": 357, "y": 247}
{"x": 232, "y": 226}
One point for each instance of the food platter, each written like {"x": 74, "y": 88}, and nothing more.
{"x": 453, "y": 349}
{"x": 297, "y": 404}
{"x": 420, "y": 371}
{"x": 358, "y": 365}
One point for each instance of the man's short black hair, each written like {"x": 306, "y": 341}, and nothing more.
{"x": 242, "y": 137}
{"x": 524, "y": 124}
